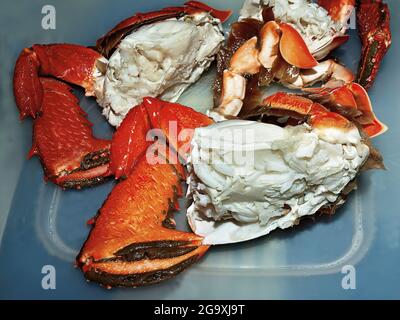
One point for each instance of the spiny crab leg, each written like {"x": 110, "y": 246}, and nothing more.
{"x": 352, "y": 101}
{"x": 133, "y": 242}
{"x": 329, "y": 125}
{"x": 373, "y": 22}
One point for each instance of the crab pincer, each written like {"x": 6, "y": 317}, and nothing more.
{"x": 133, "y": 241}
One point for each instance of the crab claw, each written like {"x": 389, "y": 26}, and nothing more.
{"x": 133, "y": 138}
{"x": 131, "y": 243}
{"x": 71, "y": 63}
{"x": 352, "y": 101}
{"x": 62, "y": 138}
{"x": 293, "y": 48}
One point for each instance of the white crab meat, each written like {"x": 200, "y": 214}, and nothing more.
{"x": 249, "y": 178}
{"x": 159, "y": 60}
{"x": 311, "y": 20}
{"x": 233, "y": 93}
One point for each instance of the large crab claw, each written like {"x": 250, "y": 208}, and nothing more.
{"x": 373, "y": 21}
{"x": 68, "y": 62}
{"x": 107, "y": 43}
{"x": 62, "y": 138}
{"x": 133, "y": 242}
{"x": 352, "y": 101}
{"x": 130, "y": 244}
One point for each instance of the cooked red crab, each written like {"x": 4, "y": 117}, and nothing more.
{"x": 118, "y": 73}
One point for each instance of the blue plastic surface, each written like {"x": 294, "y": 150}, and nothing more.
{"x": 43, "y": 225}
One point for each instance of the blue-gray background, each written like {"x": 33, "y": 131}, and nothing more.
{"x": 292, "y": 264}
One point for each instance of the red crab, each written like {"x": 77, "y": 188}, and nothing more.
{"x": 62, "y": 138}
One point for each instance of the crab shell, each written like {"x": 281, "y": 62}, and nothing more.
{"x": 107, "y": 43}
{"x": 157, "y": 54}
{"x": 222, "y": 212}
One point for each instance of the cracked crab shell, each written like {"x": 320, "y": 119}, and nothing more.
{"x": 244, "y": 188}
{"x": 159, "y": 58}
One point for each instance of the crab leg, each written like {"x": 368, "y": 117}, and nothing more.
{"x": 373, "y": 21}
{"x": 329, "y": 125}
{"x": 132, "y": 139}
{"x": 350, "y": 101}
{"x": 132, "y": 243}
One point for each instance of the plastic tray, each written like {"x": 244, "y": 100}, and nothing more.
{"x": 42, "y": 225}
